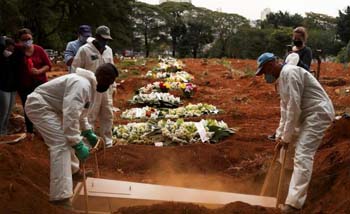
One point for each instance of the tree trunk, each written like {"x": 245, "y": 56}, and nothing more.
{"x": 146, "y": 44}
{"x": 223, "y": 40}
{"x": 194, "y": 52}
{"x": 174, "y": 45}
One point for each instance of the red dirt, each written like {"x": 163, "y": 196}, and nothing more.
{"x": 237, "y": 164}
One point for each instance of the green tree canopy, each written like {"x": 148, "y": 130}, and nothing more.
{"x": 343, "y": 25}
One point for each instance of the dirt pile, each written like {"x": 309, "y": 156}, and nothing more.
{"x": 330, "y": 184}
{"x": 24, "y": 179}
{"x": 176, "y": 208}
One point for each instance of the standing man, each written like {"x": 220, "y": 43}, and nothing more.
{"x": 90, "y": 56}
{"x": 304, "y": 105}
{"x": 72, "y": 48}
{"x": 59, "y": 110}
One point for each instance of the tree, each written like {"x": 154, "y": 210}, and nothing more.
{"x": 279, "y": 39}
{"x": 246, "y": 43}
{"x": 198, "y": 31}
{"x": 113, "y": 13}
{"x": 343, "y": 25}
{"x": 282, "y": 19}
{"x": 149, "y": 22}
{"x": 43, "y": 17}
{"x": 55, "y": 22}
{"x": 225, "y": 25}
{"x": 175, "y": 22}
{"x": 325, "y": 40}
{"x": 319, "y": 21}
{"x": 10, "y": 16}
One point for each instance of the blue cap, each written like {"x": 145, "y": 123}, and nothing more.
{"x": 85, "y": 30}
{"x": 264, "y": 58}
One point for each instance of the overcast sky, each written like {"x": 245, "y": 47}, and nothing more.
{"x": 251, "y": 9}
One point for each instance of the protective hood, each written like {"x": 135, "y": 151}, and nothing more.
{"x": 89, "y": 75}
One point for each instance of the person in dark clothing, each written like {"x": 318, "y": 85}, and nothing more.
{"x": 305, "y": 55}
{"x": 304, "y": 52}
{"x": 33, "y": 74}
{"x": 8, "y": 82}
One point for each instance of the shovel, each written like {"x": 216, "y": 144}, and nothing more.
{"x": 92, "y": 151}
{"x": 281, "y": 173}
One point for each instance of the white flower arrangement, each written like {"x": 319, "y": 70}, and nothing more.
{"x": 169, "y": 65}
{"x": 156, "y": 99}
{"x": 170, "y": 132}
{"x": 141, "y": 113}
{"x": 188, "y": 89}
{"x": 191, "y": 110}
{"x": 180, "y": 76}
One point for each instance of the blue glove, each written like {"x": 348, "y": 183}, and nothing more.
{"x": 81, "y": 151}
{"x": 90, "y": 136}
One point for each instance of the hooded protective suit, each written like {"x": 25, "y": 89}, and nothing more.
{"x": 305, "y": 106}
{"x": 58, "y": 110}
{"x": 88, "y": 57}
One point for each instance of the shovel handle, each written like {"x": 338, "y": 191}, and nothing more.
{"x": 269, "y": 173}
{"x": 282, "y": 173}
{"x": 85, "y": 189}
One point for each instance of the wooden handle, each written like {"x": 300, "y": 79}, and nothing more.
{"x": 281, "y": 177}
{"x": 269, "y": 173}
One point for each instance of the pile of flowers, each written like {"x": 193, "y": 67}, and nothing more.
{"x": 191, "y": 110}
{"x": 141, "y": 113}
{"x": 169, "y": 65}
{"x": 180, "y": 76}
{"x": 156, "y": 99}
{"x": 188, "y": 89}
{"x": 170, "y": 132}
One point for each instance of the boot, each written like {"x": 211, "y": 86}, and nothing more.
{"x": 63, "y": 203}
{"x": 288, "y": 209}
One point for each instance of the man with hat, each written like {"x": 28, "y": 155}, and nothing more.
{"x": 72, "y": 48}
{"x": 304, "y": 105}
{"x": 59, "y": 110}
{"x": 90, "y": 56}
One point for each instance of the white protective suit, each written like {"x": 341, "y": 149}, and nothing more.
{"x": 304, "y": 105}
{"x": 59, "y": 109}
{"x": 88, "y": 57}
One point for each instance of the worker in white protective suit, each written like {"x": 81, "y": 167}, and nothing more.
{"x": 304, "y": 105}
{"x": 58, "y": 110}
{"x": 90, "y": 56}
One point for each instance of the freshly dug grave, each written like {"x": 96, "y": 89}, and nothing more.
{"x": 237, "y": 164}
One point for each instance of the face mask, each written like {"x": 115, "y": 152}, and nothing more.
{"x": 102, "y": 43}
{"x": 298, "y": 43}
{"x": 270, "y": 78}
{"x": 28, "y": 43}
{"x": 102, "y": 88}
{"x": 7, "y": 53}
{"x": 82, "y": 39}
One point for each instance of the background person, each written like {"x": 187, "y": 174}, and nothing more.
{"x": 8, "y": 82}
{"x": 304, "y": 105}
{"x": 33, "y": 74}
{"x": 303, "y": 59}
{"x": 90, "y": 56}
{"x": 305, "y": 53}
{"x": 59, "y": 110}
{"x": 72, "y": 48}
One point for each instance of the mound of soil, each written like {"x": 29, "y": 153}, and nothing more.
{"x": 177, "y": 208}
{"x": 24, "y": 179}
{"x": 333, "y": 81}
